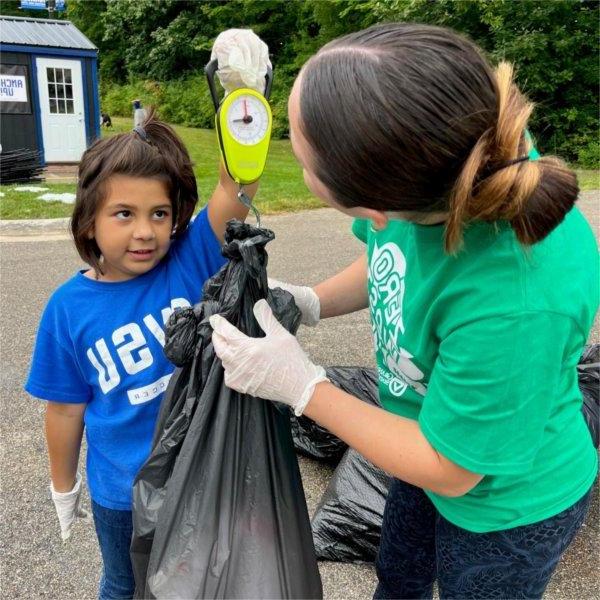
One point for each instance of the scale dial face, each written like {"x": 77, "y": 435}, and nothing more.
{"x": 248, "y": 120}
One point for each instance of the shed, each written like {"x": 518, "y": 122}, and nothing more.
{"x": 48, "y": 88}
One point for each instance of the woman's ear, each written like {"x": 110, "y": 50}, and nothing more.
{"x": 377, "y": 217}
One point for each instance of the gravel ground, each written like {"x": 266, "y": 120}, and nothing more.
{"x": 34, "y": 562}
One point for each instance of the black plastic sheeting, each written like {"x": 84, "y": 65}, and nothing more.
{"x": 20, "y": 166}
{"x": 219, "y": 509}
{"x": 347, "y": 522}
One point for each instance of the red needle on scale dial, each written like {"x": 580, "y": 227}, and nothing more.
{"x": 246, "y": 118}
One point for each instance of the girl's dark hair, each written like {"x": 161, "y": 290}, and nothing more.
{"x": 163, "y": 157}
{"x": 407, "y": 117}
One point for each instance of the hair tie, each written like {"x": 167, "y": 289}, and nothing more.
{"x": 510, "y": 163}
{"x": 532, "y": 155}
{"x": 142, "y": 133}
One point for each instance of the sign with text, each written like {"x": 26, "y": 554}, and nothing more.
{"x": 41, "y": 5}
{"x": 14, "y": 89}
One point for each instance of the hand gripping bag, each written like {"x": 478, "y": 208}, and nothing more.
{"x": 218, "y": 508}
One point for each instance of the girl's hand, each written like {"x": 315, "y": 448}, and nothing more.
{"x": 306, "y": 300}
{"x": 68, "y": 509}
{"x": 274, "y": 367}
{"x": 224, "y": 203}
{"x": 229, "y": 185}
{"x": 64, "y": 430}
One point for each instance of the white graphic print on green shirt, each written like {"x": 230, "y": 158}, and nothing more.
{"x": 387, "y": 269}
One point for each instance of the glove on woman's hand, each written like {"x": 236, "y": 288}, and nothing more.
{"x": 306, "y": 300}
{"x": 274, "y": 367}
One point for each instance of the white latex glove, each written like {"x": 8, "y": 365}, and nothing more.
{"x": 274, "y": 367}
{"x": 306, "y": 300}
{"x": 243, "y": 59}
{"x": 67, "y": 508}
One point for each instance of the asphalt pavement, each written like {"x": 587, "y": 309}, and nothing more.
{"x": 34, "y": 260}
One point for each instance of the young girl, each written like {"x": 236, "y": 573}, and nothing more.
{"x": 482, "y": 283}
{"x": 98, "y": 358}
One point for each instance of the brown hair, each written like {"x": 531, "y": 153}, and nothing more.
{"x": 161, "y": 155}
{"x": 408, "y": 117}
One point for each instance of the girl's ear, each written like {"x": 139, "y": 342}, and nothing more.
{"x": 90, "y": 234}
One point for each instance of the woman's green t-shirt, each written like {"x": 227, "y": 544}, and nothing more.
{"x": 481, "y": 349}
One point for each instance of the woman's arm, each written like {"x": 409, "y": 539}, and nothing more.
{"x": 394, "y": 443}
{"x": 276, "y": 368}
{"x": 224, "y": 204}
{"x": 341, "y": 294}
{"x": 345, "y": 292}
{"x": 64, "y": 430}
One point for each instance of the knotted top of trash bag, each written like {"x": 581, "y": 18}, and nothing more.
{"x": 232, "y": 292}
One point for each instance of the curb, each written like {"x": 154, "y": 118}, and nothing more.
{"x": 22, "y": 227}
{"x": 34, "y": 226}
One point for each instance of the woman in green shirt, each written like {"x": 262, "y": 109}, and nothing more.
{"x": 482, "y": 282}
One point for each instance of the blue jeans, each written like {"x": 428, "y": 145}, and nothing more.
{"x": 419, "y": 546}
{"x": 114, "y": 529}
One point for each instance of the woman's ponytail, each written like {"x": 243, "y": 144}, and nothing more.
{"x": 499, "y": 181}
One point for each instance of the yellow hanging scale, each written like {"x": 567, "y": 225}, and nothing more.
{"x": 243, "y": 122}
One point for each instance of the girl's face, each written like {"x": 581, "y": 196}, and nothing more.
{"x": 133, "y": 226}
{"x": 304, "y": 155}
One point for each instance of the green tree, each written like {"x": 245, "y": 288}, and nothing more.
{"x": 12, "y": 8}
{"x": 157, "y": 49}
{"x": 554, "y": 47}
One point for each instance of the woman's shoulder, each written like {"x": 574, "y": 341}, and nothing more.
{"x": 556, "y": 275}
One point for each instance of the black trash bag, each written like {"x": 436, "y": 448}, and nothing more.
{"x": 314, "y": 441}
{"x": 218, "y": 508}
{"x": 588, "y": 371}
{"x": 347, "y": 523}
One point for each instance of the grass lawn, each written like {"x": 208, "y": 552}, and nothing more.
{"x": 282, "y": 187}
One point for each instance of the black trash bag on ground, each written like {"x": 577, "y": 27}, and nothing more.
{"x": 218, "y": 508}
{"x": 314, "y": 441}
{"x": 588, "y": 371}
{"x": 347, "y": 523}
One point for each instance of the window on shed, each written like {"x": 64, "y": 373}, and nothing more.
{"x": 60, "y": 91}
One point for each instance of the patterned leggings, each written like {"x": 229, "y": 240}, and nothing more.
{"x": 419, "y": 546}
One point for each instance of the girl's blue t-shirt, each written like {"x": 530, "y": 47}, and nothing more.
{"x": 101, "y": 343}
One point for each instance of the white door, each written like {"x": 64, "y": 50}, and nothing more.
{"x": 61, "y": 106}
